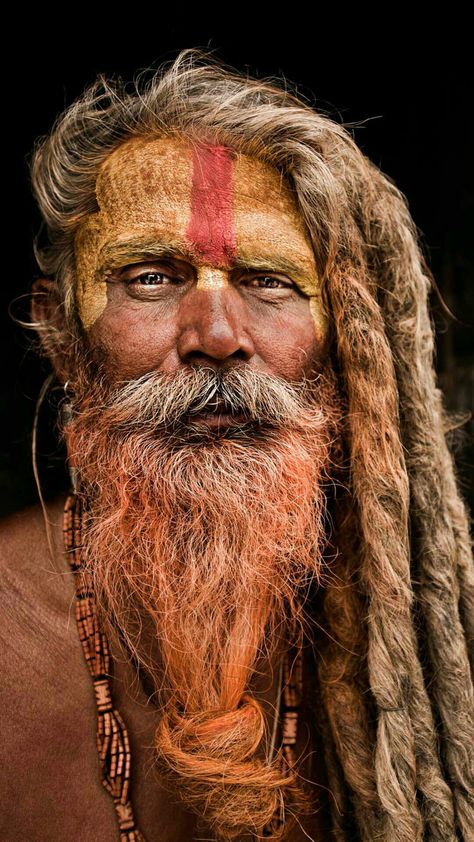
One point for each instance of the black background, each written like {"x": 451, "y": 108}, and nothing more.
{"x": 408, "y": 90}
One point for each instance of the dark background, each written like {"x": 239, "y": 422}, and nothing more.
{"x": 409, "y": 92}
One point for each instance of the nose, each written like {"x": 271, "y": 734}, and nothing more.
{"x": 213, "y": 327}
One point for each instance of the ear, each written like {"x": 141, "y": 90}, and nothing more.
{"x": 47, "y": 316}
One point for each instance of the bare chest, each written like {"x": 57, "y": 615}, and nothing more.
{"x": 53, "y": 788}
{"x": 51, "y": 785}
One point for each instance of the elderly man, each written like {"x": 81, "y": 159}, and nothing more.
{"x": 250, "y": 617}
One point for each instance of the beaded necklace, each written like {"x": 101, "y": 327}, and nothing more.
{"x": 112, "y": 737}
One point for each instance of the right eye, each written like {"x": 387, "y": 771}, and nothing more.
{"x": 149, "y": 279}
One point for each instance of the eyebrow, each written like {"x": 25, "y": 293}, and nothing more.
{"x": 123, "y": 252}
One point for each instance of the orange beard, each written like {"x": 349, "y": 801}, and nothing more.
{"x": 208, "y": 543}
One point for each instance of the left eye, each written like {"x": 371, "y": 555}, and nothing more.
{"x": 273, "y": 282}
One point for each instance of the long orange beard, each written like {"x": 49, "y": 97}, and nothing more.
{"x": 208, "y": 542}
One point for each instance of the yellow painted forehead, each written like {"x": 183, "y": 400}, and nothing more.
{"x": 218, "y": 204}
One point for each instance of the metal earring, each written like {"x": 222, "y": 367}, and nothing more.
{"x": 74, "y": 478}
{"x": 66, "y": 411}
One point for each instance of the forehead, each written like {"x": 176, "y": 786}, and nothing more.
{"x": 158, "y": 183}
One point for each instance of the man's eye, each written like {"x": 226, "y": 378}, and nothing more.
{"x": 271, "y": 283}
{"x": 150, "y": 279}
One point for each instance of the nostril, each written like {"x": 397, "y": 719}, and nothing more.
{"x": 199, "y": 357}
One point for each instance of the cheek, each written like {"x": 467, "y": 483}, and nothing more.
{"x": 292, "y": 342}
{"x": 137, "y": 340}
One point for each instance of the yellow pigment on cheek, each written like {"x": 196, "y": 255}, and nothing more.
{"x": 320, "y": 319}
{"x": 312, "y": 288}
{"x": 91, "y": 291}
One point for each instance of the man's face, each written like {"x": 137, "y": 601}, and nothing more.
{"x": 197, "y": 255}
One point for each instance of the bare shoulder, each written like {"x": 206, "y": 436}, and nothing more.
{"x": 23, "y": 534}
{"x": 36, "y": 584}
{"x": 26, "y": 549}
{"x": 47, "y": 700}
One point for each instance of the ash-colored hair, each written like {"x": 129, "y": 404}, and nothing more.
{"x": 396, "y": 682}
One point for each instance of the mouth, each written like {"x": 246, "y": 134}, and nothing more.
{"x": 221, "y": 415}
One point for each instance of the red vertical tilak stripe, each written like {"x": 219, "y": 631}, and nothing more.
{"x": 211, "y": 225}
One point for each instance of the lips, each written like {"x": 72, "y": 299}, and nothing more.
{"x": 219, "y": 413}
{"x": 220, "y": 420}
